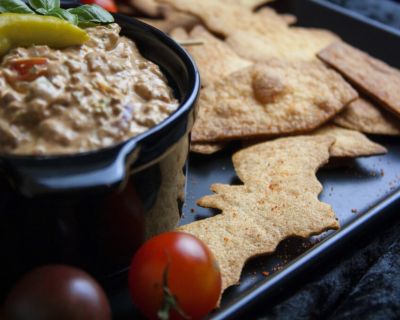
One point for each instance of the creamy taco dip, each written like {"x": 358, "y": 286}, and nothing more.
{"x": 80, "y": 98}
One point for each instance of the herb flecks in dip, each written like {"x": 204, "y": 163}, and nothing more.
{"x": 80, "y": 98}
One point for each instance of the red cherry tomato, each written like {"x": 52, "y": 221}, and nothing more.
{"x": 56, "y": 292}
{"x": 109, "y": 5}
{"x": 177, "y": 265}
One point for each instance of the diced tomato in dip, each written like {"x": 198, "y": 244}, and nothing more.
{"x": 81, "y": 98}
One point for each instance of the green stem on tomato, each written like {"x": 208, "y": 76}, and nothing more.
{"x": 170, "y": 302}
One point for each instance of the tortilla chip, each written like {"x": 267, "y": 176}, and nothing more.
{"x": 214, "y": 58}
{"x": 251, "y": 4}
{"x": 207, "y": 148}
{"x": 150, "y": 8}
{"x": 257, "y": 36}
{"x": 350, "y": 143}
{"x": 362, "y": 115}
{"x": 279, "y": 199}
{"x": 172, "y": 19}
{"x": 289, "y": 18}
{"x": 375, "y": 78}
{"x": 292, "y": 44}
{"x": 270, "y": 99}
{"x": 269, "y": 14}
{"x": 225, "y": 19}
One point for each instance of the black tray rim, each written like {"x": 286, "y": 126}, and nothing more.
{"x": 271, "y": 286}
{"x": 357, "y": 16}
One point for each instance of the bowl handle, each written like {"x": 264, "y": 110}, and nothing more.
{"x": 98, "y": 171}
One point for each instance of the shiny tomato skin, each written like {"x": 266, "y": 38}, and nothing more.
{"x": 109, "y": 5}
{"x": 56, "y": 292}
{"x": 193, "y": 275}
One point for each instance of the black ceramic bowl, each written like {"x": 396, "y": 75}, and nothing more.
{"x": 94, "y": 209}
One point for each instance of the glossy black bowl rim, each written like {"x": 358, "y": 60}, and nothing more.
{"x": 185, "y": 105}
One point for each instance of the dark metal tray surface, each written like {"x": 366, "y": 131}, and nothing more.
{"x": 363, "y": 192}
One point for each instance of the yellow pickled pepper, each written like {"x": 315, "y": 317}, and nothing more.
{"x": 29, "y": 29}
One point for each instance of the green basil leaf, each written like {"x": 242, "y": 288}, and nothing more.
{"x": 47, "y": 5}
{"x": 89, "y": 15}
{"x": 14, "y": 6}
{"x": 63, "y": 14}
{"x": 84, "y": 25}
{"x": 41, "y": 11}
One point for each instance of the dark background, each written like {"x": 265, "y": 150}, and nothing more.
{"x": 363, "y": 282}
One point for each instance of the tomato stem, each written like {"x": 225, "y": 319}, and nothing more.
{"x": 170, "y": 301}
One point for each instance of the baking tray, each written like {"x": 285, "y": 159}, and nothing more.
{"x": 363, "y": 192}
